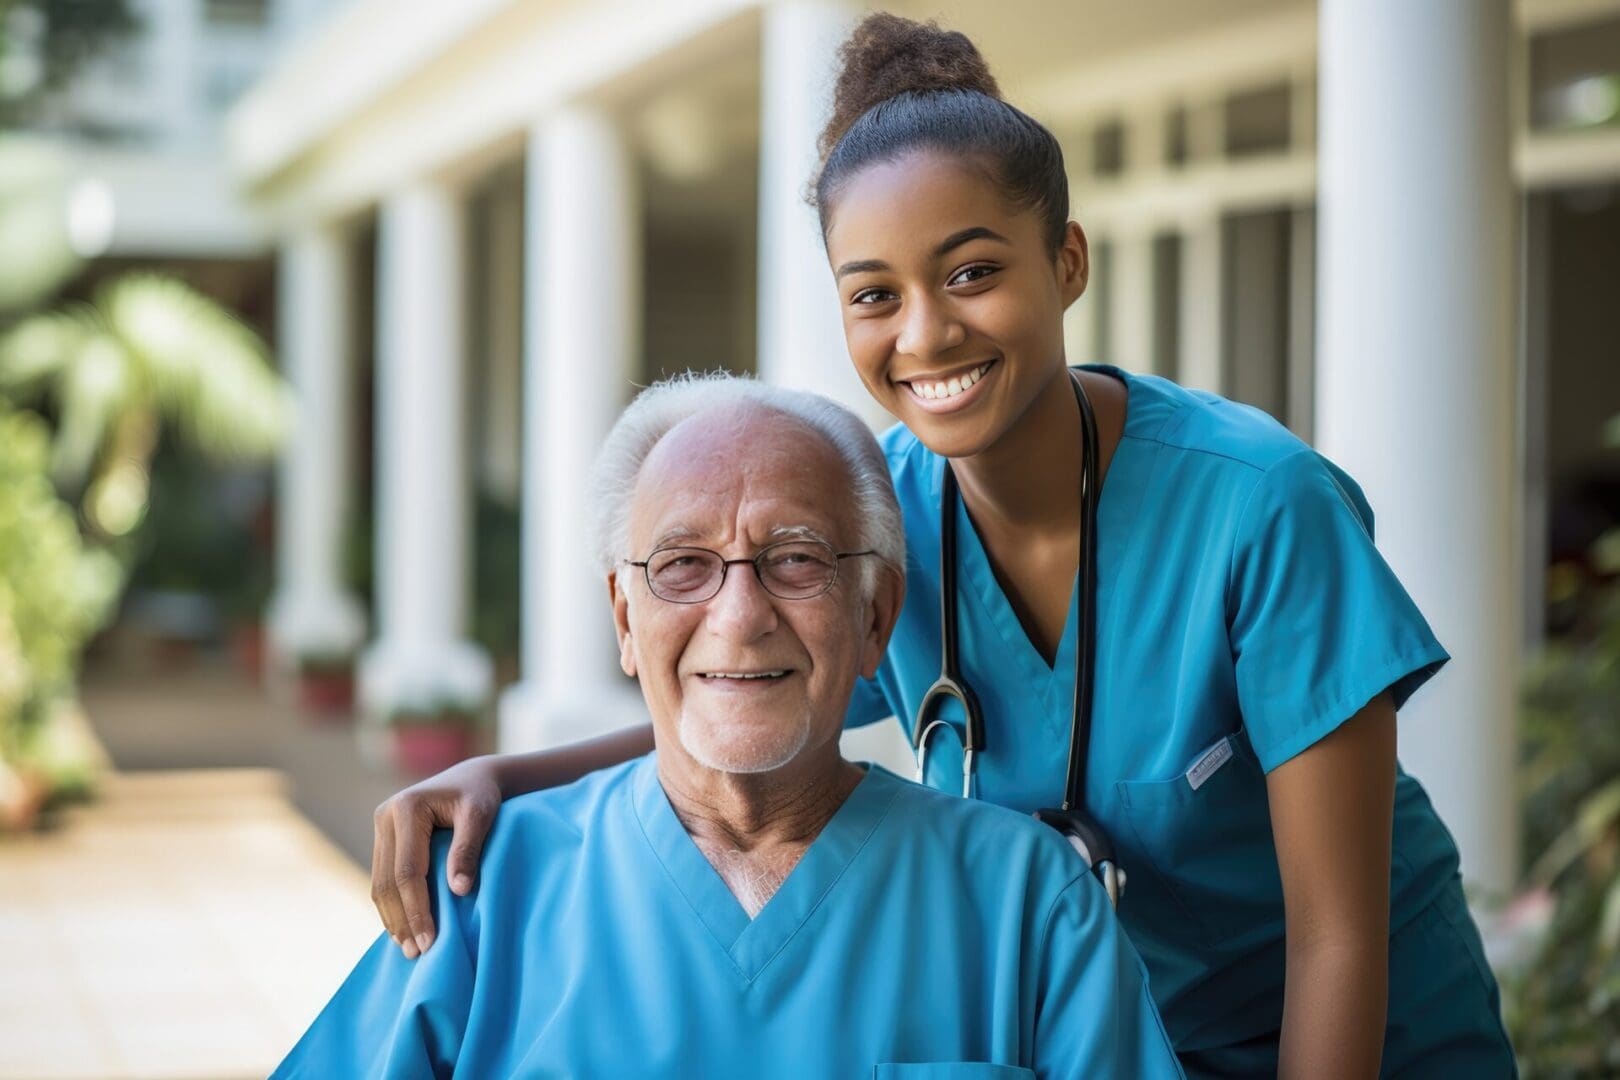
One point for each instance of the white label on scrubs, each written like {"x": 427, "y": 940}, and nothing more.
{"x": 1213, "y": 759}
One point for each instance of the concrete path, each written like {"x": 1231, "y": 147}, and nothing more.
{"x": 192, "y": 921}
{"x": 188, "y": 924}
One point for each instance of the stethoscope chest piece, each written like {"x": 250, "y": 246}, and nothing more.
{"x": 1089, "y": 841}
{"x": 946, "y": 688}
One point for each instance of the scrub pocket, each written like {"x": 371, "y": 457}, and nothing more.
{"x": 951, "y": 1070}
{"x": 1211, "y": 847}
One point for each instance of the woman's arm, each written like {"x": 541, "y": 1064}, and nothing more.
{"x": 465, "y": 799}
{"x": 1332, "y": 814}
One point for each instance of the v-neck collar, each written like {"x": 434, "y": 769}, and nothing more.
{"x": 753, "y": 943}
{"x": 1055, "y": 680}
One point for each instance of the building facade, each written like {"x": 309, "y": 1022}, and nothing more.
{"x": 496, "y": 219}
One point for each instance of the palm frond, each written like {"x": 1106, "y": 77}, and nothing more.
{"x": 206, "y": 371}
{"x": 36, "y": 351}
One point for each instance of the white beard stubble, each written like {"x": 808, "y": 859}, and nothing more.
{"x": 716, "y": 743}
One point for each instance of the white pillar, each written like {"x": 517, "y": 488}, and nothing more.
{"x": 1130, "y": 298}
{"x": 801, "y": 336}
{"x": 1131, "y": 291}
{"x": 1080, "y": 329}
{"x": 1415, "y": 377}
{"x": 582, "y": 314}
{"x": 311, "y": 614}
{"x": 420, "y": 657}
{"x": 1202, "y": 277}
{"x": 1199, "y": 362}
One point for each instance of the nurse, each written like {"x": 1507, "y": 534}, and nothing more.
{"x": 744, "y": 902}
{"x": 1292, "y": 892}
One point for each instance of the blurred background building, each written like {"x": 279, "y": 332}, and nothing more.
{"x": 472, "y": 230}
{"x": 494, "y": 221}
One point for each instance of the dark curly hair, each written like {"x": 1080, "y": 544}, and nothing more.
{"x": 906, "y": 86}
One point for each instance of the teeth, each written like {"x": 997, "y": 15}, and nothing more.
{"x": 743, "y": 675}
{"x": 948, "y": 388}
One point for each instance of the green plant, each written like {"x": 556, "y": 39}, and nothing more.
{"x": 497, "y": 600}
{"x": 44, "y": 42}
{"x": 1562, "y": 1001}
{"x": 326, "y": 665}
{"x": 54, "y": 593}
{"x": 436, "y": 714}
{"x": 148, "y": 351}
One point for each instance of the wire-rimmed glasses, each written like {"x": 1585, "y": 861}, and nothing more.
{"x": 788, "y": 570}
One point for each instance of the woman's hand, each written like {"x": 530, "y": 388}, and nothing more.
{"x": 465, "y": 799}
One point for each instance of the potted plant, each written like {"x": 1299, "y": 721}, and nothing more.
{"x": 429, "y": 706}
{"x": 431, "y": 737}
{"x": 326, "y": 683}
{"x": 55, "y": 591}
{"x": 1561, "y": 985}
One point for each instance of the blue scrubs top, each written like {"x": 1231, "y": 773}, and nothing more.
{"x": 919, "y": 936}
{"x": 1243, "y": 613}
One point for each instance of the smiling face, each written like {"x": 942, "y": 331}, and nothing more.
{"x": 952, "y": 300}
{"x": 747, "y": 682}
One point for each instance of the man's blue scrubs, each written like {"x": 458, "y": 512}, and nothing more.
{"x": 1243, "y": 613}
{"x": 920, "y": 936}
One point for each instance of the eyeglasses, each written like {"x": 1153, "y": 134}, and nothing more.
{"x": 789, "y": 570}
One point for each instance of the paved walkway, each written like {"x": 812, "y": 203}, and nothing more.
{"x": 193, "y": 920}
{"x": 188, "y": 924}
{"x": 207, "y": 715}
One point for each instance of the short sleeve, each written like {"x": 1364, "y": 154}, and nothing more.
{"x": 392, "y": 1016}
{"x": 1319, "y": 625}
{"x": 867, "y": 705}
{"x": 1095, "y": 1015}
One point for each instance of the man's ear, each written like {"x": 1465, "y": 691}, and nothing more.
{"x": 881, "y": 614}
{"x": 621, "y": 624}
{"x": 1073, "y": 264}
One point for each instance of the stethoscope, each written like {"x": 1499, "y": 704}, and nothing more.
{"x": 1082, "y": 831}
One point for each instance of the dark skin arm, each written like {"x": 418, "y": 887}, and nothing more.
{"x": 1332, "y": 814}
{"x": 465, "y": 799}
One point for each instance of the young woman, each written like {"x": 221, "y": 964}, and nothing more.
{"x": 1292, "y": 892}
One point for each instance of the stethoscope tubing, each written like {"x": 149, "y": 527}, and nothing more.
{"x": 1071, "y": 818}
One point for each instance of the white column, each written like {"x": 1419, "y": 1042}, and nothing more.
{"x": 420, "y": 657}
{"x": 1080, "y": 328}
{"x": 1132, "y": 287}
{"x": 582, "y": 313}
{"x": 801, "y": 337}
{"x": 1200, "y": 300}
{"x": 1415, "y": 377}
{"x": 1130, "y": 297}
{"x": 1202, "y": 277}
{"x": 311, "y": 614}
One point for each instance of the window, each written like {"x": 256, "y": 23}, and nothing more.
{"x": 237, "y": 12}
{"x": 1167, "y": 305}
{"x": 1575, "y": 78}
{"x": 1175, "y": 137}
{"x": 1108, "y": 149}
{"x": 1258, "y": 121}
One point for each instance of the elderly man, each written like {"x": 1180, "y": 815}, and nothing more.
{"x": 743, "y": 901}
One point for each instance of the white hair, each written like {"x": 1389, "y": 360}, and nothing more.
{"x": 663, "y": 405}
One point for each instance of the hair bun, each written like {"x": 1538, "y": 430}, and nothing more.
{"x": 887, "y": 55}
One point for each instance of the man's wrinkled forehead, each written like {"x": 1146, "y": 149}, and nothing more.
{"x": 747, "y": 467}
